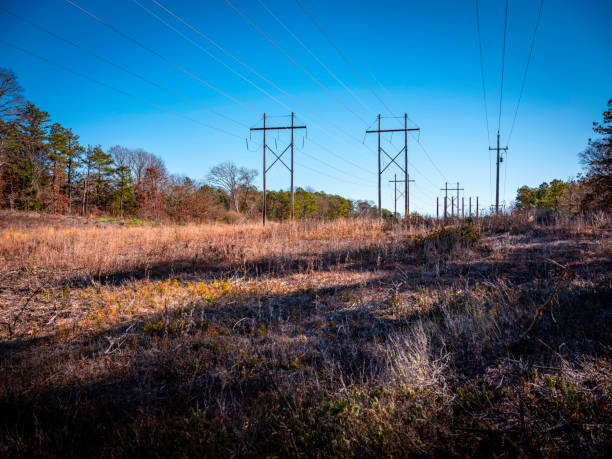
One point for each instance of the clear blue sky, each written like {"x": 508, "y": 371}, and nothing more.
{"x": 424, "y": 55}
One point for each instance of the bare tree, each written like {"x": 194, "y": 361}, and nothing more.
{"x": 232, "y": 179}
{"x": 141, "y": 160}
{"x": 10, "y": 94}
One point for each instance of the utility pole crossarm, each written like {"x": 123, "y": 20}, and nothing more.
{"x": 392, "y": 130}
{"x": 277, "y": 128}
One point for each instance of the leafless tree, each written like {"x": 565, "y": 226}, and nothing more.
{"x": 10, "y": 94}
{"x": 232, "y": 179}
{"x": 140, "y": 161}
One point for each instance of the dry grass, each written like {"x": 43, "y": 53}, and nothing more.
{"x": 306, "y": 339}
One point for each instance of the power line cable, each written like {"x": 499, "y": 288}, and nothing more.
{"x": 533, "y": 39}
{"x": 189, "y": 40}
{"x": 331, "y": 42}
{"x": 120, "y": 67}
{"x": 331, "y": 152}
{"x": 155, "y": 53}
{"x": 256, "y": 86}
{"x": 120, "y": 91}
{"x": 321, "y": 85}
{"x": 482, "y": 75}
{"x": 501, "y": 88}
{"x": 173, "y": 112}
{"x": 342, "y": 55}
{"x": 295, "y": 99}
{"x": 315, "y": 57}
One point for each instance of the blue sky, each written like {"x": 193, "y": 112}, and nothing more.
{"x": 418, "y": 57}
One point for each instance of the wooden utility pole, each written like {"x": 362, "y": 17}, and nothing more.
{"x": 446, "y": 189}
{"x": 265, "y": 128}
{"x": 437, "y": 208}
{"x": 393, "y": 160}
{"x": 499, "y": 160}
{"x": 476, "y": 206}
{"x": 462, "y": 207}
{"x": 445, "y": 207}
{"x": 395, "y": 181}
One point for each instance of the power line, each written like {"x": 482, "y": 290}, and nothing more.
{"x": 120, "y": 91}
{"x": 152, "y": 104}
{"x": 501, "y": 88}
{"x": 342, "y": 55}
{"x": 165, "y": 59}
{"x": 250, "y": 82}
{"x": 484, "y": 90}
{"x": 484, "y": 95}
{"x": 189, "y": 40}
{"x": 120, "y": 67}
{"x": 361, "y": 179}
{"x": 321, "y": 85}
{"x": 533, "y": 39}
{"x": 225, "y": 51}
{"x": 315, "y": 57}
{"x": 325, "y": 175}
{"x": 331, "y": 152}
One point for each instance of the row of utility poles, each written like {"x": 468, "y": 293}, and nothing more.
{"x": 454, "y": 204}
{"x": 455, "y": 208}
{"x": 391, "y": 159}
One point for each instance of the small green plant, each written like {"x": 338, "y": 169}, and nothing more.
{"x": 155, "y": 328}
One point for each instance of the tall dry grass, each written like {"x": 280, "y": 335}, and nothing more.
{"x": 387, "y": 340}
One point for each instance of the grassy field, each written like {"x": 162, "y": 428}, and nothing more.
{"x": 347, "y": 338}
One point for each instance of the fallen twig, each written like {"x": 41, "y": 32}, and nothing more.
{"x": 542, "y": 308}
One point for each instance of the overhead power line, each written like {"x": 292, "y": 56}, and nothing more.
{"x": 120, "y": 91}
{"x": 482, "y": 75}
{"x": 212, "y": 56}
{"x": 533, "y": 39}
{"x": 350, "y": 64}
{"x": 321, "y": 85}
{"x": 501, "y": 87}
{"x": 120, "y": 67}
{"x": 342, "y": 55}
{"x": 145, "y": 101}
{"x": 165, "y": 59}
{"x": 271, "y": 83}
{"x": 250, "y": 82}
{"x": 315, "y": 57}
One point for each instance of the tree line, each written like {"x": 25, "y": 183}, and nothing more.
{"x": 589, "y": 192}
{"x": 44, "y": 167}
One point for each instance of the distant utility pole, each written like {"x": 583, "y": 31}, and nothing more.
{"x": 265, "y": 128}
{"x": 499, "y": 160}
{"x": 437, "y": 208}
{"x": 462, "y": 207}
{"x": 477, "y": 207}
{"x": 392, "y": 160}
{"x": 453, "y": 207}
{"x": 446, "y": 189}
{"x": 395, "y": 181}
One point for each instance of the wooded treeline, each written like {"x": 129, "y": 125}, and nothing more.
{"x": 589, "y": 192}
{"x": 44, "y": 167}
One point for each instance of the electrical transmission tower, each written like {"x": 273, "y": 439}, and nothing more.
{"x": 265, "y": 128}
{"x": 499, "y": 160}
{"x": 446, "y": 189}
{"x": 395, "y": 181}
{"x": 392, "y": 160}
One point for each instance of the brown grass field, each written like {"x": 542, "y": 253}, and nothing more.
{"x": 347, "y": 338}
